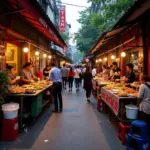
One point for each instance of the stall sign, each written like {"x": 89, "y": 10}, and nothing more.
{"x": 62, "y": 21}
{"x": 111, "y": 100}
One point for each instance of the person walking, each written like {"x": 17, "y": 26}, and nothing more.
{"x": 77, "y": 72}
{"x": 87, "y": 78}
{"x": 55, "y": 76}
{"x": 70, "y": 78}
{"x": 64, "y": 72}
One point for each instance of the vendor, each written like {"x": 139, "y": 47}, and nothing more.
{"x": 130, "y": 78}
{"x": 12, "y": 79}
{"x": 104, "y": 70}
{"x": 144, "y": 100}
{"x": 46, "y": 72}
{"x": 116, "y": 71}
{"x": 27, "y": 76}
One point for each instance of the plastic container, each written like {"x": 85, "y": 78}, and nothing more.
{"x": 10, "y": 110}
{"x": 131, "y": 111}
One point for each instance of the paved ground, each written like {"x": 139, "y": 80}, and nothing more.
{"x": 79, "y": 127}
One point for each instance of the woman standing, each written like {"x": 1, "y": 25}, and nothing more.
{"x": 87, "y": 77}
{"x": 70, "y": 78}
{"x": 12, "y": 79}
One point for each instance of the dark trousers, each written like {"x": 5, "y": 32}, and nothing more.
{"x": 88, "y": 92}
{"x": 64, "y": 81}
{"x": 77, "y": 82}
{"x": 146, "y": 118}
{"x": 70, "y": 80}
{"x": 57, "y": 89}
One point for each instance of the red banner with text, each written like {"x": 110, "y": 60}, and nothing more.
{"x": 62, "y": 23}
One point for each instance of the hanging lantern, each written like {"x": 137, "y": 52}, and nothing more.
{"x": 49, "y": 56}
{"x": 96, "y": 61}
{"x": 100, "y": 60}
{"x": 105, "y": 59}
{"x": 26, "y": 49}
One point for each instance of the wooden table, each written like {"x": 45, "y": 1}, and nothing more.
{"x": 23, "y": 95}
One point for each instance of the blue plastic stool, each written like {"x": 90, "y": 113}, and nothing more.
{"x": 135, "y": 143}
{"x": 139, "y": 129}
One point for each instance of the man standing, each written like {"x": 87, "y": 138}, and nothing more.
{"x": 64, "y": 72}
{"x": 55, "y": 76}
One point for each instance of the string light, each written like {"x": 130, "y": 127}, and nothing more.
{"x": 123, "y": 54}
{"x": 44, "y": 55}
{"x": 37, "y": 53}
{"x": 105, "y": 58}
{"x": 49, "y": 56}
{"x": 26, "y": 49}
{"x": 100, "y": 60}
{"x": 112, "y": 57}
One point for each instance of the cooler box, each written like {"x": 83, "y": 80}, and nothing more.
{"x": 36, "y": 106}
{"x": 10, "y": 129}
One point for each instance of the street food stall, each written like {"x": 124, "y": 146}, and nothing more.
{"x": 32, "y": 93}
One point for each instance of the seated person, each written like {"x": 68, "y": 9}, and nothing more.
{"x": 116, "y": 71}
{"x": 27, "y": 76}
{"x": 12, "y": 79}
{"x": 130, "y": 78}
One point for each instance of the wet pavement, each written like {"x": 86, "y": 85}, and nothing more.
{"x": 78, "y": 127}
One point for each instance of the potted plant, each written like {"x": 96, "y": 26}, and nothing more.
{"x": 3, "y": 93}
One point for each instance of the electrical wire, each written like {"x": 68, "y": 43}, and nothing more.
{"x": 71, "y": 4}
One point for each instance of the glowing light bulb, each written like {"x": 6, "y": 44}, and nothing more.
{"x": 112, "y": 57}
{"x": 123, "y": 54}
{"x": 25, "y": 49}
{"x": 49, "y": 56}
{"x": 100, "y": 60}
{"x": 37, "y": 53}
{"x": 44, "y": 55}
{"x": 105, "y": 58}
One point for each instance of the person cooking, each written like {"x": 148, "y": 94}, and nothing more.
{"x": 46, "y": 72}
{"x": 116, "y": 71}
{"x": 130, "y": 78}
{"x": 104, "y": 70}
{"x": 27, "y": 76}
{"x": 12, "y": 79}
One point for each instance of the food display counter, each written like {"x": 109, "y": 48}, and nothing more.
{"x": 33, "y": 92}
{"x": 116, "y": 96}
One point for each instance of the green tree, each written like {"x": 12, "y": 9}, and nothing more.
{"x": 65, "y": 35}
{"x": 94, "y": 24}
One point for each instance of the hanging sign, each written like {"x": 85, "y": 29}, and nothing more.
{"x": 62, "y": 21}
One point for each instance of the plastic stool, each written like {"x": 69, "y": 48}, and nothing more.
{"x": 135, "y": 143}
{"x": 123, "y": 132}
{"x": 139, "y": 129}
{"x": 10, "y": 129}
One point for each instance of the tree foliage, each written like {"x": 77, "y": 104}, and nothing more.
{"x": 94, "y": 23}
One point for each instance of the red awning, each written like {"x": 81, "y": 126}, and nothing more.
{"x": 32, "y": 15}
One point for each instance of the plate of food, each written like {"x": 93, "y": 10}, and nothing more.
{"x": 16, "y": 90}
{"x": 134, "y": 95}
{"x": 123, "y": 94}
{"x": 30, "y": 91}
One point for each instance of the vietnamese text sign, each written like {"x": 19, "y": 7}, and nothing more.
{"x": 62, "y": 22}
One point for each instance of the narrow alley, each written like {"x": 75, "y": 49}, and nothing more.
{"x": 78, "y": 127}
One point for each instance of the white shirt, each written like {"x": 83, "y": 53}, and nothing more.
{"x": 76, "y": 73}
{"x": 84, "y": 69}
{"x": 144, "y": 94}
{"x": 94, "y": 72}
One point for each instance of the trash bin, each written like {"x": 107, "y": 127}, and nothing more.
{"x": 10, "y": 128}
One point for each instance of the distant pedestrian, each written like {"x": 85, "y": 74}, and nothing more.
{"x": 70, "y": 78}
{"x": 55, "y": 76}
{"x": 64, "y": 72}
{"x": 87, "y": 77}
{"x": 77, "y": 72}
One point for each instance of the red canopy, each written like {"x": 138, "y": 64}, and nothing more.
{"x": 32, "y": 15}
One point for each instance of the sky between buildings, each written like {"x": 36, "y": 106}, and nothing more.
{"x": 72, "y": 13}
